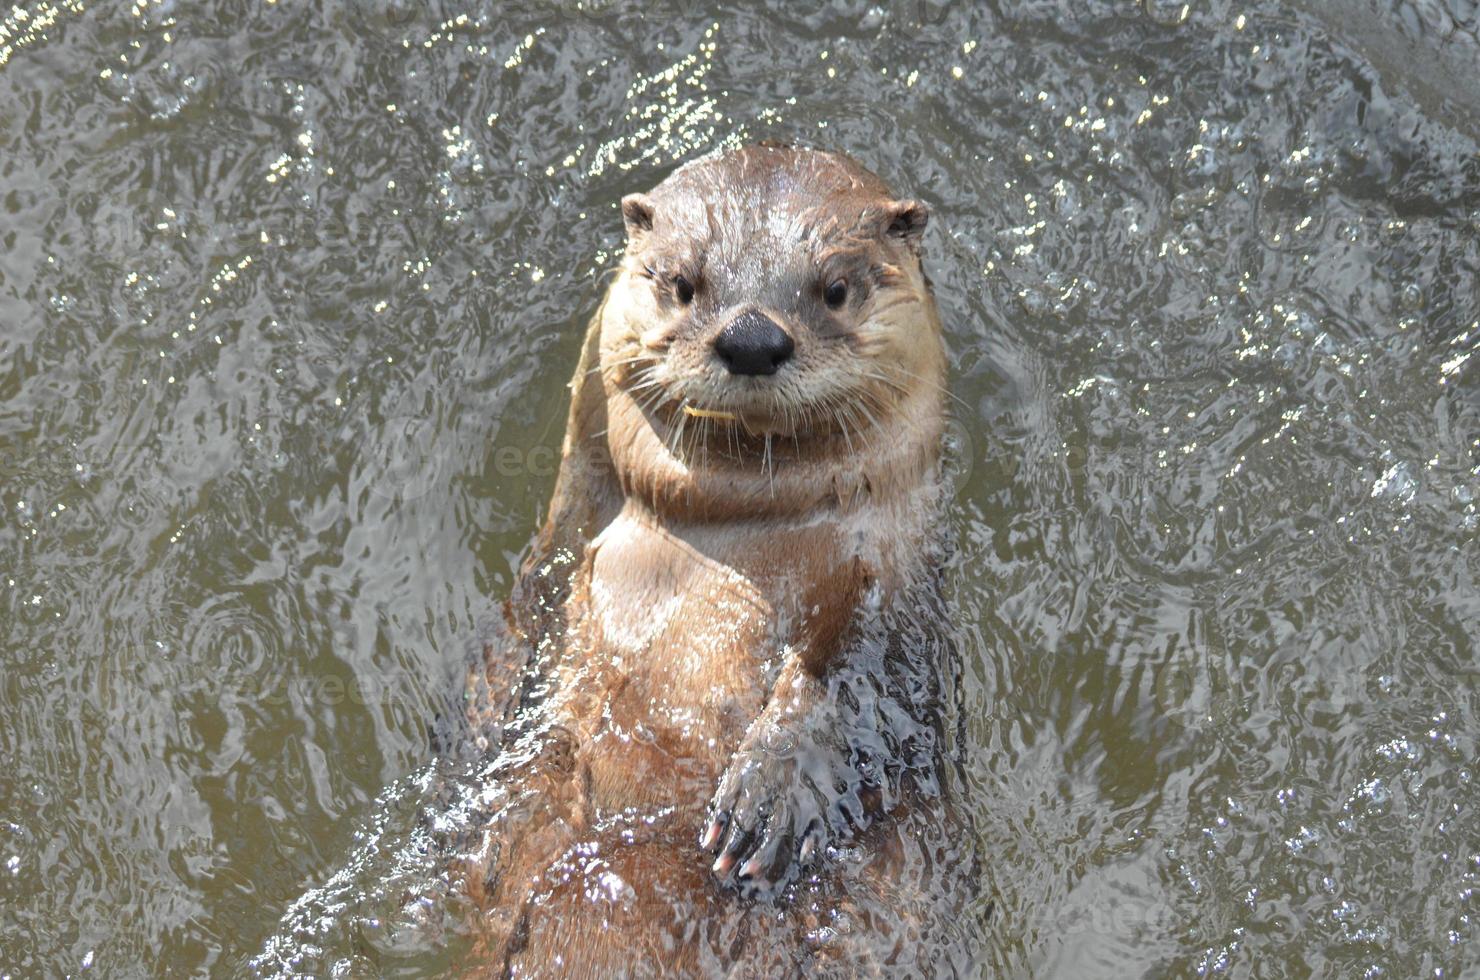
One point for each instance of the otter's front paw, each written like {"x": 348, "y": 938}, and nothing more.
{"x": 780, "y": 800}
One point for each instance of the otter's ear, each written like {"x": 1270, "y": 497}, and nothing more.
{"x": 637, "y": 215}
{"x": 905, "y": 221}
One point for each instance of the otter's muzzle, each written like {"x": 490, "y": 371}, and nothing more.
{"x": 752, "y": 344}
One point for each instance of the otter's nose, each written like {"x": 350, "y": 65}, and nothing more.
{"x": 752, "y": 343}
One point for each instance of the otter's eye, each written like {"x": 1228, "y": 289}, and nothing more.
{"x": 836, "y": 293}
{"x": 683, "y": 289}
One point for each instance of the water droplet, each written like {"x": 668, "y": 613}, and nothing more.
{"x": 1410, "y": 297}
{"x": 1168, "y": 13}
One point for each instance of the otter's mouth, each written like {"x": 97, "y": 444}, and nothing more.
{"x": 702, "y": 409}
{"x": 725, "y": 423}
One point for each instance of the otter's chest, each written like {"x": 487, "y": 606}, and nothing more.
{"x": 690, "y": 627}
{"x": 667, "y": 669}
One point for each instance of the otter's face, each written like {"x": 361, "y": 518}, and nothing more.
{"x": 772, "y": 291}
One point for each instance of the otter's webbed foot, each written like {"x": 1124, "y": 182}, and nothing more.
{"x": 795, "y": 785}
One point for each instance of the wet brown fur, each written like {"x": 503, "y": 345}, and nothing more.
{"x": 683, "y": 587}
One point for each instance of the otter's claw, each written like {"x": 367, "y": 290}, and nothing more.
{"x": 777, "y": 806}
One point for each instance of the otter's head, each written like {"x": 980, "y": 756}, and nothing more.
{"x": 772, "y": 308}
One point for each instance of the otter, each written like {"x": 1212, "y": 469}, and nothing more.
{"x": 724, "y": 677}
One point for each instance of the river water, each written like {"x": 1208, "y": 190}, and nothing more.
{"x": 289, "y": 292}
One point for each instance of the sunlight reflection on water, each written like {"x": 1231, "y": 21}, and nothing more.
{"x": 291, "y": 292}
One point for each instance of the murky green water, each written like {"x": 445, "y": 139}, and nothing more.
{"x": 289, "y": 292}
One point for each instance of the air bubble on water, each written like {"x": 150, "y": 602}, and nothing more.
{"x": 1298, "y": 321}
{"x": 1199, "y": 163}
{"x": 1066, "y": 200}
{"x": 1391, "y": 232}
{"x": 465, "y": 162}
{"x": 1216, "y": 960}
{"x": 1447, "y": 743}
{"x": 1400, "y": 750}
{"x": 1168, "y": 13}
{"x": 1410, "y": 297}
{"x": 1371, "y": 797}
{"x": 822, "y": 935}
{"x": 1397, "y": 482}
{"x": 1286, "y": 356}
{"x": 1304, "y": 840}
{"x": 1033, "y": 301}
{"x": 352, "y": 968}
